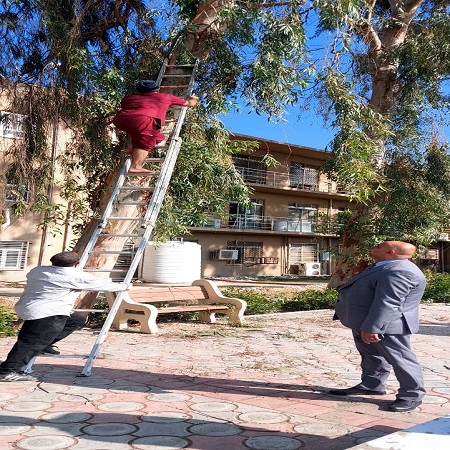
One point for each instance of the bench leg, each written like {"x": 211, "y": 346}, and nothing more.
{"x": 207, "y": 316}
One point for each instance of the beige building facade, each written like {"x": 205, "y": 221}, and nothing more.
{"x": 287, "y": 229}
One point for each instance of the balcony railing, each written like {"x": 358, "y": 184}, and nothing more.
{"x": 282, "y": 180}
{"x": 265, "y": 223}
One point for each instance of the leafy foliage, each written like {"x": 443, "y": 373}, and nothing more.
{"x": 438, "y": 288}
{"x": 376, "y": 70}
{"x": 7, "y": 320}
{"x": 263, "y": 301}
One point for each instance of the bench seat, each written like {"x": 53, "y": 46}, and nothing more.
{"x": 145, "y": 303}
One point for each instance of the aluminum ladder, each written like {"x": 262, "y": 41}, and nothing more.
{"x": 182, "y": 82}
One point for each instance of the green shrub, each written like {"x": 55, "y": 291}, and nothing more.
{"x": 438, "y": 287}
{"x": 311, "y": 299}
{"x": 265, "y": 303}
{"x": 257, "y": 302}
{"x": 7, "y": 320}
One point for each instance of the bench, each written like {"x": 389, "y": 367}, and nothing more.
{"x": 145, "y": 303}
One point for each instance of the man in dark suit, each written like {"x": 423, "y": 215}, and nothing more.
{"x": 381, "y": 306}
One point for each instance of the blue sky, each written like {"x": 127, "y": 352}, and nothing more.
{"x": 307, "y": 130}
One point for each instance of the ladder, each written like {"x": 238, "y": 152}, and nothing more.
{"x": 182, "y": 82}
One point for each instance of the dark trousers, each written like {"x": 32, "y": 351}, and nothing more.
{"x": 392, "y": 352}
{"x": 37, "y": 334}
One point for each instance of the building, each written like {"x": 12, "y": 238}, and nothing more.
{"x": 287, "y": 229}
{"x": 26, "y": 241}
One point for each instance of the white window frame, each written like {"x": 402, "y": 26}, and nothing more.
{"x": 12, "y": 125}
{"x": 15, "y": 251}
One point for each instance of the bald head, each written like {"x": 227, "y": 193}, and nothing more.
{"x": 391, "y": 250}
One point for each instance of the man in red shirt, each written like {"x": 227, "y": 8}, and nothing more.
{"x": 142, "y": 116}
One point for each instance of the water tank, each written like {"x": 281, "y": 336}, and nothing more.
{"x": 171, "y": 262}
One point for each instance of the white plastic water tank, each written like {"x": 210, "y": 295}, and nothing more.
{"x": 171, "y": 262}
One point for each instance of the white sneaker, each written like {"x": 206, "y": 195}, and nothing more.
{"x": 16, "y": 376}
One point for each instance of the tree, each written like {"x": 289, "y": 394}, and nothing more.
{"x": 377, "y": 72}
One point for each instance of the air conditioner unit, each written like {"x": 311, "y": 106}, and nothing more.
{"x": 443, "y": 237}
{"x": 229, "y": 255}
{"x": 312, "y": 269}
{"x": 216, "y": 223}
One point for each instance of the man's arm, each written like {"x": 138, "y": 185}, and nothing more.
{"x": 88, "y": 282}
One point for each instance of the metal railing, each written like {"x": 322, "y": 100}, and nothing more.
{"x": 280, "y": 180}
{"x": 268, "y": 223}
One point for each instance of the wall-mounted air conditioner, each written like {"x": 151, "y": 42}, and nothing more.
{"x": 229, "y": 255}
{"x": 312, "y": 269}
{"x": 443, "y": 237}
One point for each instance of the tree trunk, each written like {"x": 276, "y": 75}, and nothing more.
{"x": 386, "y": 87}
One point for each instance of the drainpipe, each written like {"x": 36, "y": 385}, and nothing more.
{"x": 7, "y": 217}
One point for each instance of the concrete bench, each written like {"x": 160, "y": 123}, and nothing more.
{"x": 145, "y": 303}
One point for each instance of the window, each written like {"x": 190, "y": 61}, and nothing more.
{"x": 250, "y": 218}
{"x": 12, "y": 125}
{"x": 16, "y": 192}
{"x": 13, "y": 255}
{"x": 303, "y": 253}
{"x": 303, "y": 176}
{"x": 252, "y": 168}
{"x": 249, "y": 252}
{"x": 302, "y": 217}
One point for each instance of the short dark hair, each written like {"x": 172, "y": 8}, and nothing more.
{"x": 65, "y": 259}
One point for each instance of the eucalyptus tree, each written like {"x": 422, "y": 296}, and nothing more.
{"x": 374, "y": 68}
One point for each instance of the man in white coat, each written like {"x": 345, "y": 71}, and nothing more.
{"x": 46, "y": 308}
{"x": 381, "y": 306}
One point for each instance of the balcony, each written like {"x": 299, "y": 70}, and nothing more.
{"x": 264, "y": 223}
{"x": 280, "y": 180}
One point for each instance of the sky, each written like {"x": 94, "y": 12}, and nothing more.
{"x": 307, "y": 130}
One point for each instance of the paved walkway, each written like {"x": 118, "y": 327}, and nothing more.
{"x": 213, "y": 387}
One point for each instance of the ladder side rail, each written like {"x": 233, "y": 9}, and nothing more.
{"x": 102, "y": 223}
{"x": 102, "y": 335}
{"x": 183, "y": 111}
{"x": 156, "y": 201}
{"x": 162, "y": 71}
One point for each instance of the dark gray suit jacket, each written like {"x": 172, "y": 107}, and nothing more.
{"x": 383, "y": 299}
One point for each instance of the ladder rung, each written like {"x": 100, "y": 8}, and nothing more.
{"x": 180, "y": 65}
{"x": 120, "y": 234}
{"x": 136, "y": 188}
{"x": 124, "y": 218}
{"x": 106, "y": 270}
{"x": 143, "y": 174}
{"x": 111, "y": 252}
{"x": 130, "y": 203}
{"x": 177, "y": 76}
{"x": 155, "y": 159}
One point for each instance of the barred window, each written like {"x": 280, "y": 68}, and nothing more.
{"x": 12, "y": 125}
{"x": 249, "y": 252}
{"x": 304, "y": 176}
{"x": 13, "y": 255}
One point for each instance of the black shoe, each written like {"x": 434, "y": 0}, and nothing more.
{"x": 400, "y": 405}
{"x": 50, "y": 350}
{"x": 355, "y": 390}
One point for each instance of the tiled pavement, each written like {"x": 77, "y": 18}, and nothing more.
{"x": 213, "y": 387}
